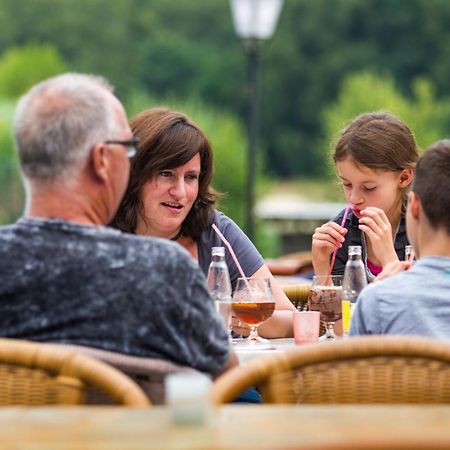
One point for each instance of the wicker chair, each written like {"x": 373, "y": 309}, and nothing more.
{"x": 35, "y": 374}
{"x": 291, "y": 264}
{"x": 373, "y": 369}
{"x": 298, "y": 294}
{"x": 148, "y": 373}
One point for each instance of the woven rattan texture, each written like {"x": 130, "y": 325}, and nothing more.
{"x": 36, "y": 374}
{"x": 371, "y": 369}
{"x": 374, "y": 380}
{"x": 298, "y": 295}
{"x": 148, "y": 373}
{"x": 24, "y": 386}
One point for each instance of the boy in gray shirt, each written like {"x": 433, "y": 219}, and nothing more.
{"x": 416, "y": 301}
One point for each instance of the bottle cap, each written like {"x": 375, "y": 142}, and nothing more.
{"x": 219, "y": 251}
{"x": 354, "y": 250}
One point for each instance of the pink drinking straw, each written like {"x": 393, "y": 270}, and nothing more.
{"x": 333, "y": 258}
{"x": 214, "y": 227}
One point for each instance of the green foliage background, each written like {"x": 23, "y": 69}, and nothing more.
{"x": 328, "y": 61}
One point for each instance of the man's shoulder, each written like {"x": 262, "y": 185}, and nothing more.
{"x": 156, "y": 247}
{"x": 109, "y": 240}
{"x": 7, "y": 229}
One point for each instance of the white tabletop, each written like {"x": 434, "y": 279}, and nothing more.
{"x": 246, "y": 354}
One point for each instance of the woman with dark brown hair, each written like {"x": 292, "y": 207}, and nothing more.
{"x": 169, "y": 195}
{"x": 375, "y": 158}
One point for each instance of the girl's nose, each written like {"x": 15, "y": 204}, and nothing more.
{"x": 355, "y": 198}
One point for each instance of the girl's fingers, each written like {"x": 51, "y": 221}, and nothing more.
{"x": 377, "y": 221}
{"x": 332, "y": 230}
{"x": 393, "y": 268}
{"x": 371, "y": 234}
{"x": 329, "y": 246}
{"x": 376, "y": 226}
{"x": 378, "y": 216}
{"x": 325, "y": 240}
{"x": 368, "y": 222}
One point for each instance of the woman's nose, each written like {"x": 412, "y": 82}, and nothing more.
{"x": 178, "y": 188}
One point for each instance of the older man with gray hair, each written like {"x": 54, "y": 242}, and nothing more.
{"x": 68, "y": 278}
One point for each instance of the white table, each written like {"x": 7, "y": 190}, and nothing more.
{"x": 247, "y": 354}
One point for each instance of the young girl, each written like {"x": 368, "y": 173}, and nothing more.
{"x": 375, "y": 158}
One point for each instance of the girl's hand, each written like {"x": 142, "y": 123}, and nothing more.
{"x": 324, "y": 240}
{"x": 393, "y": 268}
{"x": 376, "y": 226}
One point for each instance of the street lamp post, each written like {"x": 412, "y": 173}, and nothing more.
{"x": 254, "y": 21}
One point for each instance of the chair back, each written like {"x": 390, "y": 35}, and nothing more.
{"x": 298, "y": 295}
{"x": 291, "y": 264}
{"x": 148, "y": 373}
{"x": 35, "y": 374}
{"x": 373, "y": 369}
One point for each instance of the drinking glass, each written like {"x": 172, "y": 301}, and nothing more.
{"x": 253, "y": 303}
{"x": 306, "y": 326}
{"x": 326, "y": 297}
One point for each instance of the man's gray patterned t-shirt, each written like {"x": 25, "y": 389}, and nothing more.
{"x": 95, "y": 286}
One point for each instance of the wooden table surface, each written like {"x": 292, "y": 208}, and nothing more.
{"x": 232, "y": 427}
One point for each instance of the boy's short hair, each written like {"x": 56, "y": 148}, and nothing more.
{"x": 431, "y": 183}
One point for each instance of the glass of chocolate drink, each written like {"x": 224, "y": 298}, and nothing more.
{"x": 326, "y": 297}
{"x": 253, "y": 303}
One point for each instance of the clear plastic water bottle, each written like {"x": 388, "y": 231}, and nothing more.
{"x": 219, "y": 284}
{"x": 355, "y": 280}
{"x": 409, "y": 253}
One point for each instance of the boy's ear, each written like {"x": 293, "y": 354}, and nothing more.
{"x": 405, "y": 178}
{"x": 414, "y": 205}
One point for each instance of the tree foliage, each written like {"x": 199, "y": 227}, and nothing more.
{"x": 22, "y": 67}
{"x": 187, "y": 50}
{"x": 427, "y": 116}
{"x": 11, "y": 199}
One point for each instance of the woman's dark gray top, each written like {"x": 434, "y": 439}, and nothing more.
{"x": 247, "y": 254}
{"x": 95, "y": 286}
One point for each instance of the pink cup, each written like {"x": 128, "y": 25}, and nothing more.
{"x": 306, "y": 326}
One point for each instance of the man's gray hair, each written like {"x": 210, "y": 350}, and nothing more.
{"x": 58, "y": 121}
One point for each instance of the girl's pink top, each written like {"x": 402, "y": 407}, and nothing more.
{"x": 374, "y": 268}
